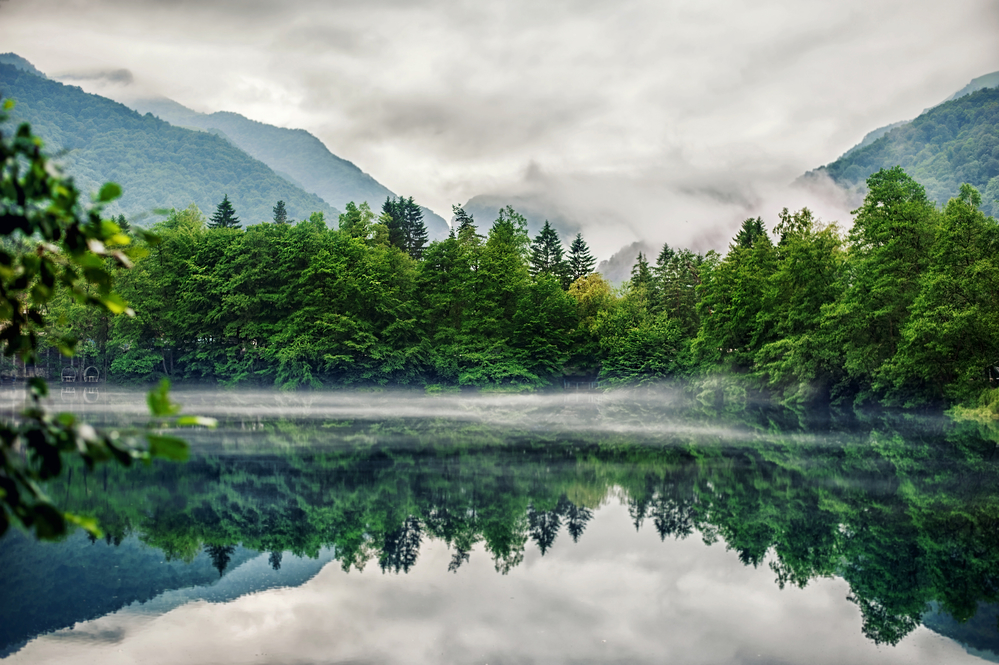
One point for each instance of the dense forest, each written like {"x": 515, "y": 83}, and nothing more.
{"x": 156, "y": 164}
{"x": 902, "y": 309}
{"x": 953, "y": 143}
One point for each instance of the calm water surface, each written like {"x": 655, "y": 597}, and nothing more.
{"x": 393, "y": 528}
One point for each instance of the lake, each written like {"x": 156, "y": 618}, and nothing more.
{"x": 625, "y": 527}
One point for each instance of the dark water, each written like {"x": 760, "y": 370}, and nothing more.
{"x": 391, "y": 528}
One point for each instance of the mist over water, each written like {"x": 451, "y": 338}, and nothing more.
{"x": 636, "y": 526}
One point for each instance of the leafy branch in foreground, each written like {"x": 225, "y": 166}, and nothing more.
{"x": 49, "y": 241}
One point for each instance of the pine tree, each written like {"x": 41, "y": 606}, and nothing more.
{"x": 464, "y": 227}
{"x": 547, "y": 254}
{"x": 580, "y": 261}
{"x": 225, "y": 216}
{"x": 641, "y": 275}
{"x": 406, "y": 228}
{"x": 280, "y": 214}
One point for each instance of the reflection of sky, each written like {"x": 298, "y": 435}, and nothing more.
{"x": 616, "y": 596}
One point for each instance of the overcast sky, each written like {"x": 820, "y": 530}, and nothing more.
{"x": 641, "y": 119}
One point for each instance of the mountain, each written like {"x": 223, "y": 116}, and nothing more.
{"x": 987, "y": 81}
{"x": 295, "y": 154}
{"x": 157, "y": 165}
{"x": 15, "y": 60}
{"x": 617, "y": 269}
{"x": 485, "y": 208}
{"x": 949, "y": 144}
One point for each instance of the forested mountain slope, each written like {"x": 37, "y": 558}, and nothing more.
{"x": 950, "y": 144}
{"x": 293, "y": 153}
{"x": 157, "y": 165}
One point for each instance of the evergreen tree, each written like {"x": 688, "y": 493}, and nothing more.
{"x": 406, "y": 228}
{"x": 547, "y": 254}
{"x": 641, "y": 275}
{"x": 580, "y": 261}
{"x": 464, "y": 227}
{"x": 280, "y": 214}
{"x": 225, "y": 216}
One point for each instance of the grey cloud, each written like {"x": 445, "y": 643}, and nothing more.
{"x": 112, "y": 76}
{"x": 649, "y": 120}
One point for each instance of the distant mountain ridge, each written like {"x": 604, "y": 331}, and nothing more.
{"x": 294, "y": 154}
{"x": 158, "y": 165}
{"x": 950, "y": 144}
{"x": 954, "y": 142}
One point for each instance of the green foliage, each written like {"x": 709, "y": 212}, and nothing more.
{"x": 547, "y": 255}
{"x": 225, "y": 216}
{"x": 889, "y": 245}
{"x": 580, "y": 261}
{"x": 280, "y": 213}
{"x": 53, "y": 245}
{"x": 405, "y": 225}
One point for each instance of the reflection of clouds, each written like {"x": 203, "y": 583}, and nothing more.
{"x": 617, "y": 596}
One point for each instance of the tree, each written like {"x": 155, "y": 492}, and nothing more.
{"x": 547, "y": 255}
{"x": 952, "y": 334}
{"x": 464, "y": 228}
{"x": 581, "y": 262}
{"x": 280, "y": 214}
{"x": 888, "y": 251}
{"x": 406, "y": 228}
{"x": 225, "y": 216}
{"x": 51, "y": 242}
{"x": 357, "y": 221}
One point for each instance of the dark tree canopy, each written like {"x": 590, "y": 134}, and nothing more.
{"x": 580, "y": 261}
{"x": 406, "y": 228}
{"x": 280, "y": 214}
{"x": 547, "y": 254}
{"x": 225, "y": 216}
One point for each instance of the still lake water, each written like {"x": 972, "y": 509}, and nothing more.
{"x": 624, "y": 527}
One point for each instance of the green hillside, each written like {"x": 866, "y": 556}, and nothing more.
{"x": 950, "y": 144}
{"x": 158, "y": 165}
{"x": 293, "y": 153}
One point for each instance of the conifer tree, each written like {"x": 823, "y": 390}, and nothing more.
{"x": 580, "y": 261}
{"x": 225, "y": 216}
{"x": 547, "y": 254}
{"x": 406, "y": 228}
{"x": 464, "y": 227}
{"x": 641, "y": 275}
{"x": 280, "y": 214}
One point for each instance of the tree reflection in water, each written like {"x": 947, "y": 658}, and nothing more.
{"x": 905, "y": 509}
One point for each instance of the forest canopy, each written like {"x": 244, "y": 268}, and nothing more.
{"x": 902, "y": 309}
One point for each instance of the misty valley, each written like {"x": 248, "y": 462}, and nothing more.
{"x": 639, "y": 526}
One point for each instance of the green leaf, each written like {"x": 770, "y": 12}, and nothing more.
{"x": 159, "y": 401}
{"x": 87, "y": 523}
{"x": 38, "y": 386}
{"x": 196, "y": 421}
{"x": 109, "y": 192}
{"x": 115, "y": 303}
{"x": 167, "y": 447}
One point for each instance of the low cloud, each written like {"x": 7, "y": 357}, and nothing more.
{"x": 118, "y": 77}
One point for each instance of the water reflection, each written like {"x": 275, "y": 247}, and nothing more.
{"x": 900, "y": 510}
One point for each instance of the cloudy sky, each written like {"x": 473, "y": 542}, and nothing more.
{"x": 639, "y": 119}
